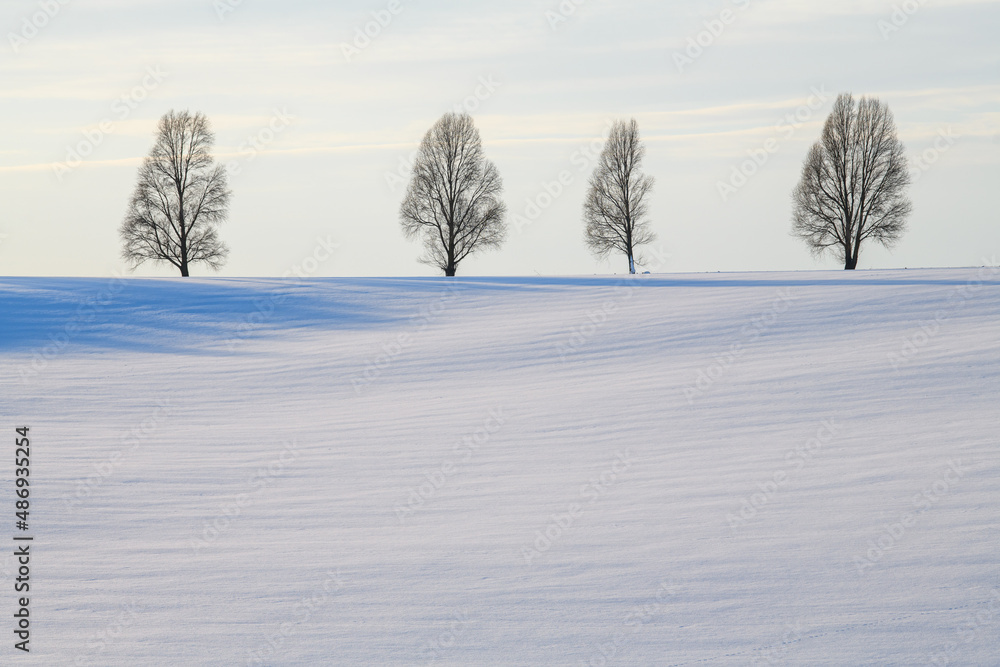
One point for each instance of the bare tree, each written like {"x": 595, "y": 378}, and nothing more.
{"x": 453, "y": 199}
{"x": 615, "y": 210}
{"x": 180, "y": 199}
{"x": 854, "y": 181}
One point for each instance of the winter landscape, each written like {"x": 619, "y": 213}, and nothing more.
{"x": 533, "y": 333}
{"x": 766, "y": 468}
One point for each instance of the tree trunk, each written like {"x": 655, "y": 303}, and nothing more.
{"x": 184, "y": 246}
{"x": 852, "y": 259}
{"x": 631, "y": 264}
{"x": 850, "y": 256}
{"x": 449, "y": 270}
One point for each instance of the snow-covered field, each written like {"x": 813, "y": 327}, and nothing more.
{"x": 770, "y": 468}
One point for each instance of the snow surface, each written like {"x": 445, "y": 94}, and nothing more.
{"x": 776, "y": 468}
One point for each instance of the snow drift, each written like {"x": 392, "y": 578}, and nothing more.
{"x": 795, "y": 468}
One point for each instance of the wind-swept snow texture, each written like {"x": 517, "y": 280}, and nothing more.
{"x": 727, "y": 469}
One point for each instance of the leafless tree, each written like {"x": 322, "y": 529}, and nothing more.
{"x": 615, "y": 210}
{"x": 180, "y": 199}
{"x": 453, "y": 200}
{"x": 854, "y": 181}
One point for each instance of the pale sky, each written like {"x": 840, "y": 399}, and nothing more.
{"x": 85, "y": 81}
